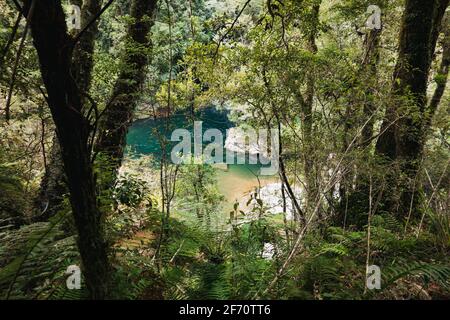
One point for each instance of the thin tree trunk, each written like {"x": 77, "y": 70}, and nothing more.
{"x": 307, "y": 117}
{"x": 53, "y": 185}
{"x": 442, "y": 75}
{"x": 11, "y": 39}
{"x": 354, "y": 186}
{"x": 370, "y": 65}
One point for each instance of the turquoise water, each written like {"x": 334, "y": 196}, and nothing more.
{"x": 145, "y": 135}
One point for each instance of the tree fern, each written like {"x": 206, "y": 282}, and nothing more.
{"x": 428, "y": 272}
{"x": 33, "y": 258}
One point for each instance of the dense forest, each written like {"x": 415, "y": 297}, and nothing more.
{"x": 224, "y": 149}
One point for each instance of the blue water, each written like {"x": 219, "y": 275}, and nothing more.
{"x": 144, "y": 136}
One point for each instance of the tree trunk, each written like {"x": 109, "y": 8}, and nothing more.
{"x": 120, "y": 110}
{"x": 54, "y": 48}
{"x": 403, "y": 138}
{"x": 53, "y": 184}
{"x": 83, "y": 62}
{"x": 442, "y": 74}
{"x": 310, "y": 166}
{"x": 354, "y": 185}
{"x": 370, "y": 66}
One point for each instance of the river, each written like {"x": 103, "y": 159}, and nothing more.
{"x": 234, "y": 183}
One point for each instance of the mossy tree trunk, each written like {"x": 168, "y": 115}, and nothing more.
{"x": 119, "y": 112}
{"x": 403, "y": 135}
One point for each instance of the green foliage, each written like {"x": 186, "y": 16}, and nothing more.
{"x": 197, "y": 192}
{"x": 428, "y": 273}
{"x": 281, "y": 64}
{"x": 34, "y": 259}
{"x": 334, "y": 265}
{"x": 130, "y": 191}
{"x": 12, "y": 206}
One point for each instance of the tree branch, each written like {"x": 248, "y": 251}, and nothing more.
{"x": 80, "y": 34}
{"x": 16, "y": 63}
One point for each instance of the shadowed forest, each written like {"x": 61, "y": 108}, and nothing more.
{"x": 347, "y": 100}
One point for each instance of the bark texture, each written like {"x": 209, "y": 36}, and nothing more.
{"x": 119, "y": 111}
{"x": 54, "y": 183}
{"x": 403, "y": 134}
{"x": 54, "y": 47}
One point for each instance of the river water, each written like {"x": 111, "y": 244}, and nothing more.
{"x": 234, "y": 183}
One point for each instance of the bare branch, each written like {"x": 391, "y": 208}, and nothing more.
{"x": 231, "y": 27}
{"x": 16, "y": 63}
{"x": 10, "y": 40}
